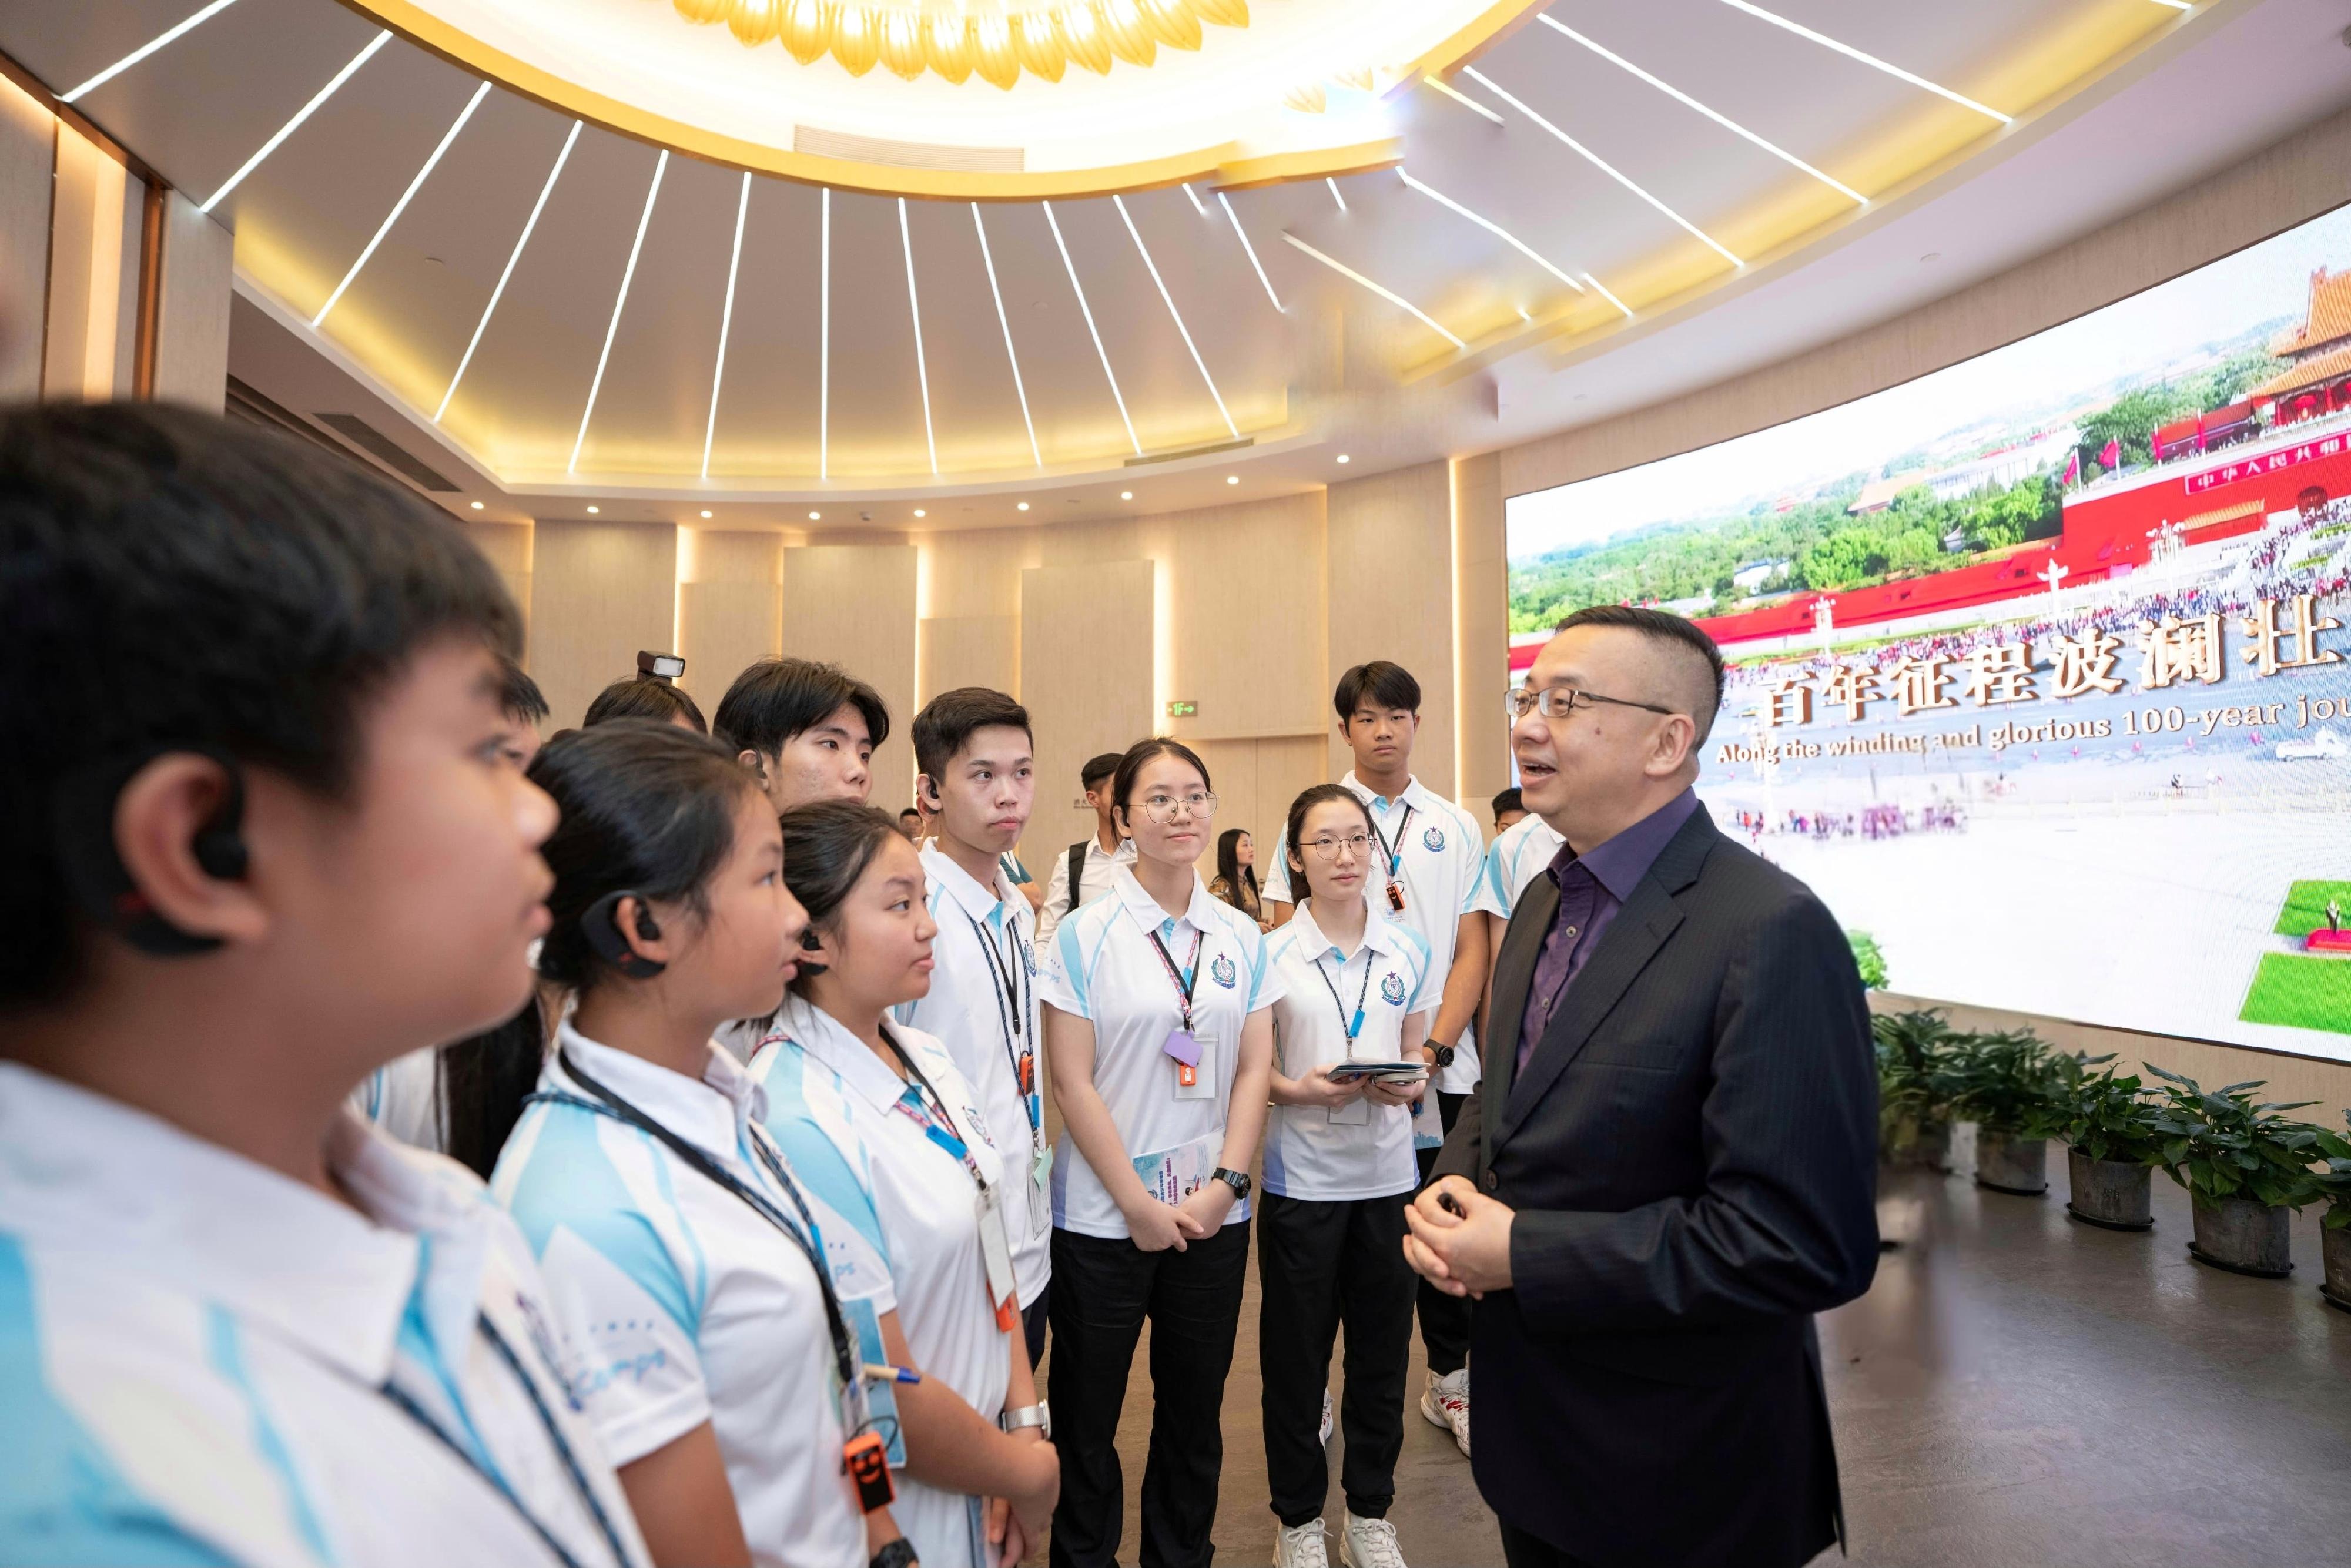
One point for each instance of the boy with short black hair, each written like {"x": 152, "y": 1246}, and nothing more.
{"x": 1082, "y": 872}
{"x": 809, "y": 730}
{"x": 977, "y": 783}
{"x": 261, "y": 834}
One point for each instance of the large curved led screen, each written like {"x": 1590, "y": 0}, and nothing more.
{"x": 2042, "y": 662}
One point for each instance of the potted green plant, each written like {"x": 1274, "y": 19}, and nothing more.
{"x": 2012, "y": 1085}
{"x": 2112, "y": 1146}
{"x": 2246, "y": 1166}
{"x": 2334, "y": 1185}
{"x": 1913, "y": 1100}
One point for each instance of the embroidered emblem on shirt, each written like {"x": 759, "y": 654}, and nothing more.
{"x": 1392, "y": 989}
{"x": 1223, "y": 972}
{"x": 1433, "y": 841}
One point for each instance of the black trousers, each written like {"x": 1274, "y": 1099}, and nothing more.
{"x": 1521, "y": 1550}
{"x": 1103, "y": 1292}
{"x": 1318, "y": 1264}
{"x": 1444, "y": 1320}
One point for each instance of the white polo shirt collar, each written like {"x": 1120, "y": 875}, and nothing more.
{"x": 264, "y": 1245}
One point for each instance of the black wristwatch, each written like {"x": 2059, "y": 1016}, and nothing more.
{"x": 898, "y": 1554}
{"x": 1440, "y": 1054}
{"x": 1237, "y": 1180}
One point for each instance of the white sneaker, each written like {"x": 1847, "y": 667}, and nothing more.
{"x": 1300, "y": 1546}
{"x": 1445, "y": 1403}
{"x": 1326, "y": 1417}
{"x": 1369, "y": 1543}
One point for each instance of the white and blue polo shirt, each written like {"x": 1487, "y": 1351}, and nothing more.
{"x": 683, "y": 1305}
{"x": 194, "y": 1350}
{"x": 1101, "y": 967}
{"x": 1364, "y": 1149}
{"x": 1516, "y": 858}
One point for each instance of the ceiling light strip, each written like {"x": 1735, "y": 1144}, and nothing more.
{"x": 1723, "y": 120}
{"x": 406, "y": 196}
{"x": 726, "y": 320}
{"x": 1335, "y": 193}
{"x": 499, "y": 292}
{"x": 1248, "y": 249}
{"x": 1006, "y": 322}
{"x": 612, "y": 328}
{"x": 140, "y": 53}
{"x": 295, "y": 124}
{"x": 1491, "y": 227}
{"x": 1196, "y": 199}
{"x": 1071, "y": 267}
{"x": 1868, "y": 59}
{"x": 1610, "y": 298}
{"x": 1602, "y": 164}
{"x": 915, "y": 309}
{"x": 824, "y": 341}
{"x": 1464, "y": 99}
{"x": 1389, "y": 295}
{"x": 1177, "y": 316}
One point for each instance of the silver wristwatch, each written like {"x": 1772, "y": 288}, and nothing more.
{"x": 1039, "y": 1415}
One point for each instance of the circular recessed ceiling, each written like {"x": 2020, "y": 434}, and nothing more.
{"x": 1016, "y": 99}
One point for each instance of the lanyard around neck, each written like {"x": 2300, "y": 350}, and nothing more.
{"x": 1182, "y": 979}
{"x": 1355, "y": 1027}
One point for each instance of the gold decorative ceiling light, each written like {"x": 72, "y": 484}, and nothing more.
{"x": 996, "y": 41}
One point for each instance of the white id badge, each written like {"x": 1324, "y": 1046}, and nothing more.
{"x": 1204, "y": 1072}
{"x": 996, "y": 1251}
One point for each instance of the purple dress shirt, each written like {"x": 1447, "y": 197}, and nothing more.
{"x": 1592, "y": 889}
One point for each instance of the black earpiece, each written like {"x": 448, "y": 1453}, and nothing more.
{"x": 600, "y": 924}
{"x": 83, "y": 814}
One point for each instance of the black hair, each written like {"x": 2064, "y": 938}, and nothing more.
{"x": 829, "y": 845}
{"x": 171, "y": 582}
{"x": 1381, "y": 684}
{"x": 777, "y": 700}
{"x": 646, "y": 808}
{"x": 948, "y": 721}
{"x": 1508, "y": 799}
{"x": 1314, "y": 795}
{"x": 520, "y": 697}
{"x": 1231, "y": 872}
{"x": 642, "y": 696}
{"x": 1098, "y": 767}
{"x": 1661, "y": 626}
{"x": 1142, "y": 751}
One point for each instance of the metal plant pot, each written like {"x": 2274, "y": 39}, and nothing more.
{"x": 1921, "y": 1146}
{"x": 2006, "y": 1163}
{"x": 2243, "y": 1236}
{"x": 2109, "y": 1193}
{"x": 2334, "y": 1255}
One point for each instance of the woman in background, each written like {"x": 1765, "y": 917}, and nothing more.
{"x": 1236, "y": 881}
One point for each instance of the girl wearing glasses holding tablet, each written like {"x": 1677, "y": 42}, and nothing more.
{"x": 1158, "y": 1022}
{"x": 1339, "y": 1169}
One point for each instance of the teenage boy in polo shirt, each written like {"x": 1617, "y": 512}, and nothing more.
{"x": 978, "y": 784}
{"x": 261, "y": 833}
{"x": 1430, "y": 855}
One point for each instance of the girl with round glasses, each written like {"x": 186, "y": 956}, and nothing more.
{"x": 1158, "y": 1004}
{"x": 1339, "y": 1169}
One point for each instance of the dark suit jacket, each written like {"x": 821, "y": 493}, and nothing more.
{"x": 1692, "y": 1155}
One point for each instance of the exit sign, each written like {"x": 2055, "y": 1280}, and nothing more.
{"x": 1180, "y": 709}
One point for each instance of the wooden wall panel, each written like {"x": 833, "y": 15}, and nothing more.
{"x": 28, "y": 150}
{"x": 599, "y": 592}
{"x": 854, "y": 605}
{"x": 192, "y": 321}
{"x": 1248, "y": 640}
{"x": 730, "y": 609}
{"x": 1391, "y": 573}
{"x": 1086, "y": 679}
{"x": 969, "y": 651}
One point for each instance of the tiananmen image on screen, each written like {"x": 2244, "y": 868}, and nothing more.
{"x": 2041, "y": 665}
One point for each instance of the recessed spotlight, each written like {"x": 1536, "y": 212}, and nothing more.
{"x": 920, "y": 512}
{"x": 594, "y": 510}
{"x": 706, "y": 512}
{"x": 1024, "y": 506}
{"x": 478, "y": 505}
{"x": 1343, "y": 457}
{"x": 814, "y": 516}
{"x": 1232, "y": 478}
{"x": 1127, "y": 495}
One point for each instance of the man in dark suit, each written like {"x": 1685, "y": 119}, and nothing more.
{"x": 1671, "y": 1165}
